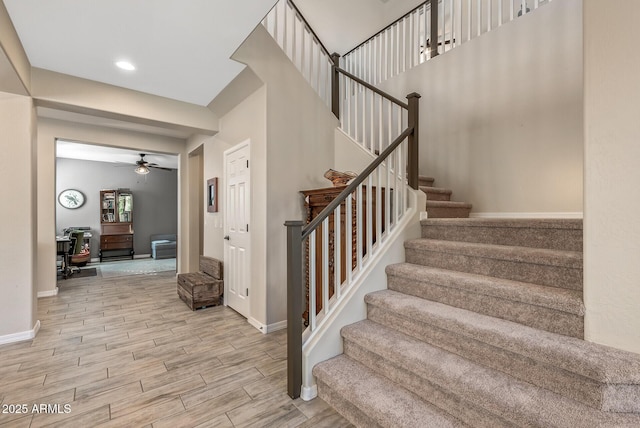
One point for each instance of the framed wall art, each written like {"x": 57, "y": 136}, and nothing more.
{"x": 212, "y": 195}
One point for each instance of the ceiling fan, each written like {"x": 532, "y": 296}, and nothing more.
{"x": 142, "y": 166}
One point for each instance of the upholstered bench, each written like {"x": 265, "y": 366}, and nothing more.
{"x": 203, "y": 288}
{"x": 163, "y": 246}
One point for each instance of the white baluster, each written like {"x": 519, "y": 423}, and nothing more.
{"x": 371, "y": 138}
{"x": 479, "y": 13}
{"x": 379, "y": 203}
{"x": 348, "y": 86}
{"x": 359, "y": 236}
{"x": 469, "y": 19}
{"x": 348, "y": 234}
{"x": 312, "y": 280}
{"x": 363, "y": 119}
{"x": 369, "y": 218}
{"x": 454, "y": 28}
{"x": 325, "y": 265}
{"x": 337, "y": 253}
{"x": 402, "y": 30}
{"x": 380, "y": 126}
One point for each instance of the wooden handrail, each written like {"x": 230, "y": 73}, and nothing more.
{"x": 373, "y": 88}
{"x": 306, "y": 23}
{"x": 326, "y": 212}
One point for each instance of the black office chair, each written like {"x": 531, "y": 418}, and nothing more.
{"x": 65, "y": 250}
{"x": 76, "y": 237}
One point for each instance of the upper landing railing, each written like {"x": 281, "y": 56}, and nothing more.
{"x": 299, "y": 42}
{"x": 409, "y": 41}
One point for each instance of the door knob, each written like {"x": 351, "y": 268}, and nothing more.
{"x": 226, "y": 237}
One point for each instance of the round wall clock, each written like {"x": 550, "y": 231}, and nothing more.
{"x": 71, "y": 198}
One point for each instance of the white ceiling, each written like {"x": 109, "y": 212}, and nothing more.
{"x": 181, "y": 49}
{"x": 75, "y": 150}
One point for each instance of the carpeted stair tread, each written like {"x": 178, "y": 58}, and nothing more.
{"x": 523, "y": 404}
{"x": 598, "y": 362}
{"x": 447, "y": 209}
{"x": 556, "y": 298}
{"x": 448, "y": 204}
{"x": 436, "y": 193}
{"x": 559, "y": 234}
{"x": 382, "y": 401}
{"x": 424, "y": 180}
{"x": 549, "y": 308}
{"x": 536, "y": 265}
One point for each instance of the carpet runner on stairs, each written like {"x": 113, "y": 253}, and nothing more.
{"x": 482, "y": 327}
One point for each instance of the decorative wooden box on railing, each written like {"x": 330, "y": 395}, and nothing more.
{"x": 315, "y": 201}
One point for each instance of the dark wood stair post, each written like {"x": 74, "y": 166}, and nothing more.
{"x": 434, "y": 30}
{"x": 335, "y": 85}
{"x": 413, "y": 152}
{"x": 294, "y": 307}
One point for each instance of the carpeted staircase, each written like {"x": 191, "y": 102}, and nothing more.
{"x": 439, "y": 203}
{"x": 482, "y": 327}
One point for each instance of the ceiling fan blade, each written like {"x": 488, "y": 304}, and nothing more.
{"x": 154, "y": 166}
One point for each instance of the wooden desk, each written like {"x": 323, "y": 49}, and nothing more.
{"x": 116, "y": 237}
{"x": 63, "y": 244}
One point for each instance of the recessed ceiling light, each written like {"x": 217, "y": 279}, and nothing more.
{"x": 125, "y": 65}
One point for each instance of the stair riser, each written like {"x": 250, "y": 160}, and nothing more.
{"x": 436, "y": 195}
{"x": 444, "y": 212}
{"x": 425, "y": 181}
{"x": 342, "y": 405}
{"x": 568, "y": 384}
{"x": 467, "y": 412}
{"x": 552, "y": 239}
{"x": 554, "y": 276}
{"x": 533, "y": 316}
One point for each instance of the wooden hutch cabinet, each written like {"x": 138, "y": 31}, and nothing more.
{"x": 315, "y": 201}
{"x": 116, "y": 223}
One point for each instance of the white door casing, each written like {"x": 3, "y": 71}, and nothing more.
{"x": 236, "y": 226}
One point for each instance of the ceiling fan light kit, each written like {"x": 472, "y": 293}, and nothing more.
{"x": 142, "y": 170}
{"x": 143, "y": 167}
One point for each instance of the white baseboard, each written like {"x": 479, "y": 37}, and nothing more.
{"x": 22, "y": 336}
{"x": 48, "y": 293}
{"x": 270, "y": 328}
{"x": 569, "y": 215}
{"x": 308, "y": 393}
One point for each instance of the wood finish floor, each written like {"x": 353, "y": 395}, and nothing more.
{"x": 128, "y": 352}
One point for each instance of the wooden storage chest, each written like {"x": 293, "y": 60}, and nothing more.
{"x": 203, "y": 288}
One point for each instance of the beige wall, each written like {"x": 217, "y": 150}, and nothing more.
{"x": 48, "y": 131}
{"x": 15, "y": 69}
{"x": 213, "y": 233}
{"x": 501, "y": 116}
{"x": 19, "y": 237}
{"x": 297, "y": 150}
{"x": 247, "y": 121}
{"x": 74, "y": 94}
{"x": 612, "y": 173}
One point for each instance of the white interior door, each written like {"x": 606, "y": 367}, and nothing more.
{"x": 237, "y": 243}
